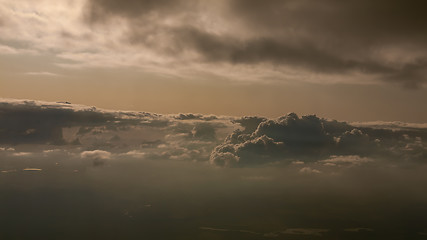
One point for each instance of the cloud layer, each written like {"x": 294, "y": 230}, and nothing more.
{"x": 382, "y": 39}
{"x": 307, "y": 141}
{"x": 210, "y": 177}
{"x": 329, "y": 41}
{"x": 310, "y": 139}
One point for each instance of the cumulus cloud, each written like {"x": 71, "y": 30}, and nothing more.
{"x": 98, "y": 157}
{"x": 96, "y": 154}
{"x": 306, "y": 142}
{"x": 290, "y": 139}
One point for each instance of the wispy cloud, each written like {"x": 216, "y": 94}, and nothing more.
{"x": 48, "y": 74}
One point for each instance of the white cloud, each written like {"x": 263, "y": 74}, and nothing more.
{"x": 48, "y": 74}
{"x": 22, "y": 154}
{"x": 135, "y": 154}
{"x": 345, "y": 160}
{"x": 96, "y": 155}
{"x": 309, "y": 170}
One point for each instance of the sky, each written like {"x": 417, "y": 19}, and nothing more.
{"x": 226, "y": 119}
{"x": 352, "y": 61}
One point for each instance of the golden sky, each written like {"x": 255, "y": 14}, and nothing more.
{"x": 359, "y": 61}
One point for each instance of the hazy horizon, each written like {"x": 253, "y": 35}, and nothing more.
{"x": 225, "y": 119}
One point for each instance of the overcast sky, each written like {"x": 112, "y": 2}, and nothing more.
{"x": 352, "y": 60}
{"x": 248, "y": 119}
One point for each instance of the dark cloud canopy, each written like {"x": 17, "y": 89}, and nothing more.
{"x": 383, "y": 39}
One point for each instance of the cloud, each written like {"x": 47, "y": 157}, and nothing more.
{"x": 309, "y": 170}
{"x": 306, "y": 142}
{"x": 7, "y": 50}
{"x": 306, "y": 231}
{"x": 204, "y": 131}
{"x": 350, "y": 160}
{"x": 102, "y": 10}
{"x": 42, "y": 122}
{"x": 351, "y": 42}
{"x": 249, "y": 123}
{"x": 191, "y": 116}
{"x": 309, "y": 139}
{"x": 22, "y": 154}
{"x": 125, "y": 133}
{"x": 96, "y": 155}
{"x": 49, "y": 74}
{"x": 7, "y": 149}
{"x": 383, "y": 40}
{"x": 135, "y": 154}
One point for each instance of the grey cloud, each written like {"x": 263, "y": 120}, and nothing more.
{"x": 328, "y": 36}
{"x": 395, "y": 19}
{"x": 90, "y": 129}
{"x": 204, "y": 131}
{"x": 29, "y": 122}
{"x": 23, "y": 121}
{"x": 311, "y": 139}
{"x": 249, "y": 123}
{"x": 258, "y": 141}
{"x": 221, "y": 48}
{"x": 101, "y": 10}
{"x": 192, "y": 116}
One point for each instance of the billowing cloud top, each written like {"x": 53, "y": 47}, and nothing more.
{"x": 351, "y": 41}
{"x": 98, "y": 134}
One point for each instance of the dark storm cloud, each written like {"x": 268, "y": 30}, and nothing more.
{"x": 308, "y": 138}
{"x": 29, "y": 122}
{"x": 321, "y": 36}
{"x": 383, "y": 20}
{"x": 23, "y": 121}
{"x": 215, "y": 48}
